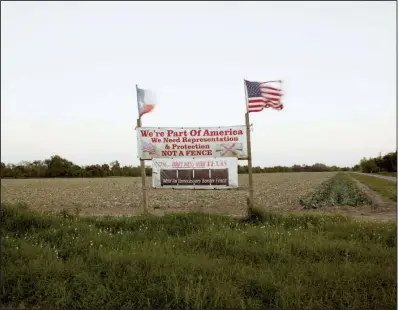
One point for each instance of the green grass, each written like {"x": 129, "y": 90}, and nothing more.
{"x": 385, "y": 188}
{"x": 389, "y": 174}
{"x": 337, "y": 191}
{"x": 201, "y": 261}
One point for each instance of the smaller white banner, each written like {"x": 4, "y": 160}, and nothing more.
{"x": 195, "y": 173}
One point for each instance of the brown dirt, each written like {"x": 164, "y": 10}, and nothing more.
{"x": 362, "y": 213}
{"x": 380, "y": 208}
{"x": 123, "y": 196}
{"x": 377, "y": 201}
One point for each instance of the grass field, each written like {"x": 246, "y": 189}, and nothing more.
{"x": 385, "y": 188}
{"x": 389, "y": 174}
{"x": 196, "y": 261}
{"x": 123, "y": 196}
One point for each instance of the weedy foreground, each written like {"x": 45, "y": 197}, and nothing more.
{"x": 196, "y": 260}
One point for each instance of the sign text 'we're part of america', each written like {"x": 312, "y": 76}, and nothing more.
{"x": 154, "y": 142}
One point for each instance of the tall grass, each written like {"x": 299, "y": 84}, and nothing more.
{"x": 385, "y": 188}
{"x": 196, "y": 261}
{"x": 389, "y": 174}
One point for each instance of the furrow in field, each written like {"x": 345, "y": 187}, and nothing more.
{"x": 123, "y": 196}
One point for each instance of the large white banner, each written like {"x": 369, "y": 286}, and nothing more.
{"x": 195, "y": 173}
{"x": 154, "y": 142}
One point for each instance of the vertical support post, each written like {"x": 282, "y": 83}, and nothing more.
{"x": 249, "y": 162}
{"x": 249, "y": 151}
{"x": 142, "y": 162}
{"x": 143, "y": 177}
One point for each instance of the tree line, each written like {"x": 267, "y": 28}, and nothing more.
{"x": 386, "y": 163}
{"x": 58, "y": 167}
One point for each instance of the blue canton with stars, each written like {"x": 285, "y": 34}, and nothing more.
{"x": 253, "y": 89}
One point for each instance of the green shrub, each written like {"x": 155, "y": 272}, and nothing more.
{"x": 337, "y": 191}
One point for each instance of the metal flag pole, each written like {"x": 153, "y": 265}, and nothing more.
{"x": 249, "y": 152}
{"x": 142, "y": 162}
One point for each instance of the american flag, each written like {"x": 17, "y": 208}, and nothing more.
{"x": 261, "y": 95}
{"x": 148, "y": 147}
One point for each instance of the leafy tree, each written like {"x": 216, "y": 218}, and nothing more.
{"x": 59, "y": 167}
{"x": 368, "y": 165}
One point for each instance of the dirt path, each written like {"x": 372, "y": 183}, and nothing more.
{"x": 363, "y": 213}
{"x": 385, "y": 177}
{"x": 379, "y": 210}
{"x": 368, "y": 212}
{"x": 377, "y": 201}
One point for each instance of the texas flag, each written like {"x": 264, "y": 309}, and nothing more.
{"x": 146, "y": 101}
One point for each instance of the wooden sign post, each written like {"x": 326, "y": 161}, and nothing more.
{"x": 143, "y": 176}
{"x": 249, "y": 162}
{"x": 249, "y": 150}
{"x": 142, "y": 162}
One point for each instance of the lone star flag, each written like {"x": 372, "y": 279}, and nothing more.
{"x": 261, "y": 95}
{"x": 146, "y": 101}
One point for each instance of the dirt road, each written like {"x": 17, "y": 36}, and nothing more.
{"x": 379, "y": 176}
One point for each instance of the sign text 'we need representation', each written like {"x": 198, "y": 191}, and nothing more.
{"x": 192, "y": 142}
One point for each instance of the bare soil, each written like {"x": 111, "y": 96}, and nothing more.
{"x": 123, "y": 196}
{"x": 363, "y": 213}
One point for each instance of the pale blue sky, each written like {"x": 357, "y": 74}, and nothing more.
{"x": 69, "y": 69}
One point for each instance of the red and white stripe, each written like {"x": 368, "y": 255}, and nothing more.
{"x": 271, "y": 95}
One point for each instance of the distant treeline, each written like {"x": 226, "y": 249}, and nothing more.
{"x": 295, "y": 168}
{"x": 386, "y": 163}
{"x": 57, "y": 166}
